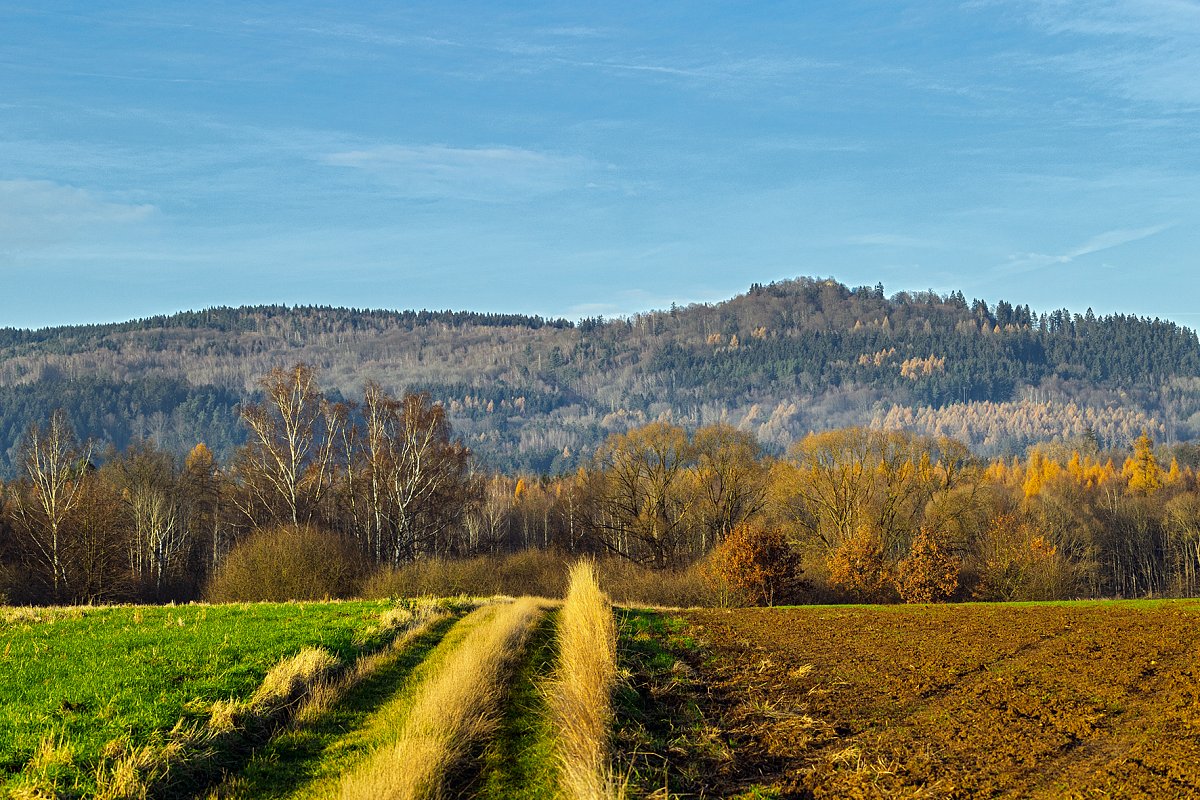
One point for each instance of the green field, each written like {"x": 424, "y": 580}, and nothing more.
{"x": 92, "y": 680}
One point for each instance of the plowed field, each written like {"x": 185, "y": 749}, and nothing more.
{"x": 1070, "y": 700}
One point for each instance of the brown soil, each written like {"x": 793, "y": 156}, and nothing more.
{"x": 1007, "y": 701}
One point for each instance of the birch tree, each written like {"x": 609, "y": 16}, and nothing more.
{"x": 287, "y": 466}
{"x": 54, "y": 463}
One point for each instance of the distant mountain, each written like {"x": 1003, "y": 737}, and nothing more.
{"x": 528, "y": 393}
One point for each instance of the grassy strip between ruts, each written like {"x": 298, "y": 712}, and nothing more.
{"x": 519, "y": 761}
{"x": 453, "y": 712}
{"x": 79, "y": 690}
{"x": 369, "y": 723}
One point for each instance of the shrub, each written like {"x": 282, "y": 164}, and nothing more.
{"x": 530, "y": 572}
{"x": 632, "y": 585}
{"x": 859, "y": 568}
{"x": 288, "y": 562}
{"x": 1018, "y": 561}
{"x": 930, "y": 573}
{"x": 755, "y": 565}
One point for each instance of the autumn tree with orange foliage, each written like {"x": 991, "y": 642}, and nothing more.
{"x": 756, "y": 565}
{"x": 929, "y": 574}
{"x": 859, "y": 568}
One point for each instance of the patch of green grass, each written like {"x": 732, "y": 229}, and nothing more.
{"x": 758, "y": 793}
{"x": 661, "y": 732}
{"x": 118, "y": 676}
{"x": 519, "y": 762}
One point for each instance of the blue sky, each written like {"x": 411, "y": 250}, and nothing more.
{"x": 601, "y": 158}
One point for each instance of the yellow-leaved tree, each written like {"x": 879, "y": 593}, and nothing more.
{"x": 1142, "y": 469}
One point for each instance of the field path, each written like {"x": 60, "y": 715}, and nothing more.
{"x": 518, "y": 762}
{"x": 402, "y": 711}
{"x": 296, "y": 761}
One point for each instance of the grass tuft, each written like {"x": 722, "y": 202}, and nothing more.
{"x": 581, "y": 696}
{"x": 291, "y": 677}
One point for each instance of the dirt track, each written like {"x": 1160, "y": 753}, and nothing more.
{"x": 1084, "y": 700}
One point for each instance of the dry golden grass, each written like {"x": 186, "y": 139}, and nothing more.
{"x": 139, "y": 769}
{"x": 581, "y": 696}
{"x": 452, "y": 712}
{"x": 542, "y": 574}
{"x": 292, "y": 677}
{"x": 52, "y": 752}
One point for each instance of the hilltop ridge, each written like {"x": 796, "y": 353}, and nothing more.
{"x": 526, "y": 392}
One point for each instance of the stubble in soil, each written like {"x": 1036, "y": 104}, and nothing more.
{"x": 957, "y": 701}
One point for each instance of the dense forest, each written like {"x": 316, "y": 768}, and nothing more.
{"x": 527, "y": 393}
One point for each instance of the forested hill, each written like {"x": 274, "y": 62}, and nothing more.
{"x": 781, "y": 360}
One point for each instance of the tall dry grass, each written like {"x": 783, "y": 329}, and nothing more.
{"x": 457, "y": 708}
{"x": 580, "y": 697}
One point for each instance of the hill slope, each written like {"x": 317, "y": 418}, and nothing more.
{"x": 780, "y": 360}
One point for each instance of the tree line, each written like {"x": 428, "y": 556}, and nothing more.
{"x": 856, "y": 513}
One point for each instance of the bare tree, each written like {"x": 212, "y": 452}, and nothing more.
{"x": 644, "y": 500}
{"x": 732, "y": 477}
{"x": 201, "y": 485}
{"x": 288, "y": 464}
{"x": 416, "y": 479}
{"x": 160, "y": 538}
{"x": 55, "y": 463}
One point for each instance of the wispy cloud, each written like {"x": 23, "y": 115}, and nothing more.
{"x": 812, "y": 144}
{"x": 484, "y": 173}
{"x": 725, "y": 70}
{"x": 1143, "y": 50}
{"x": 1162, "y": 19}
{"x": 1027, "y": 262}
{"x": 41, "y": 212}
{"x": 892, "y": 240}
{"x": 1111, "y": 239}
{"x": 576, "y": 31}
{"x": 361, "y": 34}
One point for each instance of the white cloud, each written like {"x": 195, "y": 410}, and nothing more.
{"x": 1111, "y": 239}
{"x": 1158, "y": 19}
{"x": 1142, "y": 50}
